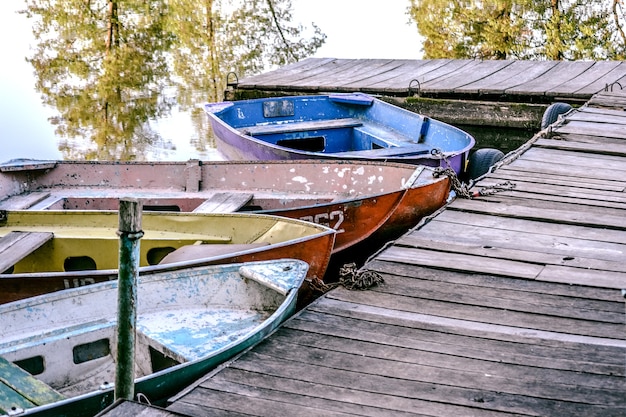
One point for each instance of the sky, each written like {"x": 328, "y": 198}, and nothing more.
{"x": 354, "y": 29}
{"x": 362, "y": 28}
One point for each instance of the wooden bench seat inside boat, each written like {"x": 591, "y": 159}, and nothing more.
{"x": 224, "y": 203}
{"x": 19, "y": 389}
{"x": 15, "y": 246}
{"x": 301, "y": 126}
{"x": 416, "y": 149}
{"x": 207, "y": 330}
{"x": 382, "y": 136}
{"x": 24, "y": 201}
{"x": 191, "y": 252}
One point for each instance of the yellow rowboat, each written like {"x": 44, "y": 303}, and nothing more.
{"x": 45, "y": 251}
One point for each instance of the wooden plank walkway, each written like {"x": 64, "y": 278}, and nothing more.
{"x": 507, "y": 304}
{"x": 504, "y": 93}
{"x": 512, "y": 80}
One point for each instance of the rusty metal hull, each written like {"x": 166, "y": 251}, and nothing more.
{"x": 356, "y": 198}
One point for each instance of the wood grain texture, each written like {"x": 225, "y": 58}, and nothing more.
{"x": 506, "y": 304}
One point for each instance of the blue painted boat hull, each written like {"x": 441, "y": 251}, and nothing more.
{"x": 336, "y": 126}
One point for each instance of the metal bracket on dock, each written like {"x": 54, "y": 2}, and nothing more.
{"x": 611, "y": 86}
{"x": 232, "y": 84}
{"x": 411, "y": 87}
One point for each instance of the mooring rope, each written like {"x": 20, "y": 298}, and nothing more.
{"x": 354, "y": 279}
{"x": 351, "y": 278}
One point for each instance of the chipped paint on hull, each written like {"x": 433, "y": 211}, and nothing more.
{"x": 198, "y": 317}
{"x": 338, "y": 194}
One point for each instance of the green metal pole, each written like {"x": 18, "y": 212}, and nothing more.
{"x": 129, "y": 232}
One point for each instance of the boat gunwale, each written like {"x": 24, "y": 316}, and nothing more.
{"x": 259, "y": 332}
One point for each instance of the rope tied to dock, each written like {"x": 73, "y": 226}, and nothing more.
{"x": 351, "y": 278}
{"x": 354, "y": 279}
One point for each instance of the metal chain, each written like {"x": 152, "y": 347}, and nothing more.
{"x": 462, "y": 189}
{"x": 496, "y": 188}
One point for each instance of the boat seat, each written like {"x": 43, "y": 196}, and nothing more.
{"x": 19, "y": 389}
{"x": 382, "y": 135}
{"x": 191, "y": 252}
{"x": 224, "y": 203}
{"x": 301, "y": 126}
{"x": 53, "y": 202}
{"x": 24, "y": 201}
{"x": 395, "y": 152}
{"x": 209, "y": 330}
{"x": 15, "y": 246}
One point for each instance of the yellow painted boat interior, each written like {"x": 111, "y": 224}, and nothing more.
{"x": 87, "y": 240}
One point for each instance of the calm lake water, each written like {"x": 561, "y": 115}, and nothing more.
{"x": 26, "y": 132}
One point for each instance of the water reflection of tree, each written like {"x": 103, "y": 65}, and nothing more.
{"x": 105, "y": 65}
{"x": 214, "y": 38}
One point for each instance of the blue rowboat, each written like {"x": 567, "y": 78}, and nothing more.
{"x": 58, "y": 350}
{"x": 339, "y": 126}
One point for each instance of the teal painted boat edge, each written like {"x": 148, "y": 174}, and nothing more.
{"x": 164, "y": 384}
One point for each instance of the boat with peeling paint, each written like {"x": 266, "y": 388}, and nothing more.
{"x": 335, "y": 126}
{"x": 358, "y": 199}
{"x": 58, "y": 351}
{"x": 47, "y": 251}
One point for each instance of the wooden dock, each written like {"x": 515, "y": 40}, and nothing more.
{"x": 503, "y": 93}
{"x": 504, "y": 304}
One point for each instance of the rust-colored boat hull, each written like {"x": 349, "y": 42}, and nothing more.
{"x": 358, "y": 199}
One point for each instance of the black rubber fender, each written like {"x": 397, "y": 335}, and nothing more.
{"x": 481, "y": 160}
{"x": 553, "y": 112}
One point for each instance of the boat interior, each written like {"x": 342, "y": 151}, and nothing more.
{"x": 196, "y": 187}
{"x": 81, "y": 358}
{"x": 231, "y": 201}
{"x": 338, "y": 136}
{"x": 350, "y": 123}
{"x": 39, "y": 242}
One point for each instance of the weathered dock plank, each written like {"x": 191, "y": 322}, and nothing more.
{"x": 475, "y": 92}
{"x": 496, "y": 83}
{"x": 401, "y": 71}
{"x": 511, "y": 78}
{"x": 612, "y": 100}
{"x": 599, "y": 74}
{"x": 471, "y": 73}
